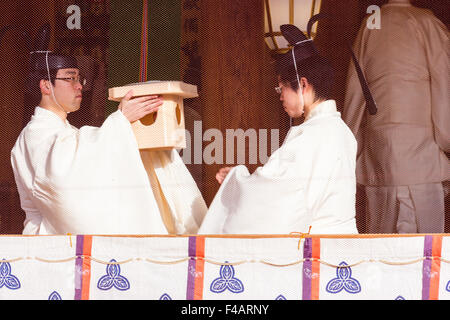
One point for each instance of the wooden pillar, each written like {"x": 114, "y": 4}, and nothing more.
{"x": 235, "y": 72}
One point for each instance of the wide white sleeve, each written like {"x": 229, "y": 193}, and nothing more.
{"x": 269, "y": 201}
{"x": 93, "y": 181}
{"x": 33, "y": 217}
{"x": 32, "y": 221}
{"x": 181, "y": 202}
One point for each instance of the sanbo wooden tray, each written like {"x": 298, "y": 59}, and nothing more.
{"x": 178, "y": 88}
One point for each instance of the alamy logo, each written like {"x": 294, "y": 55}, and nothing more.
{"x": 374, "y": 20}
{"x": 234, "y": 146}
{"x": 74, "y": 20}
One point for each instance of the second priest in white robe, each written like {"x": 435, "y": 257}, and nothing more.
{"x": 308, "y": 182}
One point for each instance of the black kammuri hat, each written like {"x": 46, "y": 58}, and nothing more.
{"x": 304, "y": 48}
{"x": 41, "y": 59}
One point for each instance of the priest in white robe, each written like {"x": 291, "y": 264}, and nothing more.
{"x": 308, "y": 184}
{"x": 93, "y": 180}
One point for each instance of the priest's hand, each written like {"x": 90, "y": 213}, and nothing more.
{"x": 222, "y": 173}
{"x": 136, "y": 108}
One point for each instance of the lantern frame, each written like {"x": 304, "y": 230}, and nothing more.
{"x": 272, "y": 34}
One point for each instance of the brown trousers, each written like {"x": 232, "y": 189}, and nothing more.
{"x": 405, "y": 209}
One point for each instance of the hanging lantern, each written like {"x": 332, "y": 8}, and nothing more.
{"x": 279, "y": 12}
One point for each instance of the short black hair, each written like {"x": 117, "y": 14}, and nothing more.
{"x": 316, "y": 69}
{"x": 33, "y": 89}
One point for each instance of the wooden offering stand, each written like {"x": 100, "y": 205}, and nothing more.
{"x": 163, "y": 129}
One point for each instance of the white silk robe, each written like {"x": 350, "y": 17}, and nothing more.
{"x": 308, "y": 182}
{"x": 93, "y": 181}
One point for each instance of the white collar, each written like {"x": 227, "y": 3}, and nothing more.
{"x": 40, "y": 112}
{"x": 326, "y": 107}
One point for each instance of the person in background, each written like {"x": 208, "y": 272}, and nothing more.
{"x": 401, "y": 159}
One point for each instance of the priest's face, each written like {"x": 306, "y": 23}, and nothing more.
{"x": 292, "y": 100}
{"x": 68, "y": 89}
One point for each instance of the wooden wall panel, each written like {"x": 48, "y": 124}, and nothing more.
{"x": 234, "y": 70}
{"x": 13, "y": 68}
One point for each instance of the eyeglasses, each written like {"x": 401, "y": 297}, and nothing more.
{"x": 278, "y": 90}
{"x": 74, "y": 80}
